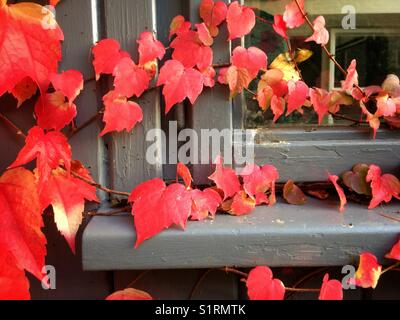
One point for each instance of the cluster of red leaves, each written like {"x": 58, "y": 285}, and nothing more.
{"x": 185, "y": 75}
{"x": 24, "y": 195}
{"x": 280, "y": 86}
{"x": 156, "y": 206}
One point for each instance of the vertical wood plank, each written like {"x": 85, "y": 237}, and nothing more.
{"x": 75, "y": 18}
{"x": 125, "y": 20}
{"x": 213, "y": 109}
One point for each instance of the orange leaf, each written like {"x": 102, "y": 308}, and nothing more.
{"x": 213, "y": 14}
{"x": 184, "y": 172}
{"x": 21, "y": 221}
{"x": 30, "y": 45}
{"x": 384, "y": 187}
{"x": 293, "y": 193}
{"x": 24, "y": 90}
{"x": 129, "y": 294}
{"x": 14, "y": 285}
{"x": 342, "y": 196}
{"x": 67, "y": 196}
{"x": 394, "y": 252}
{"x": 368, "y": 272}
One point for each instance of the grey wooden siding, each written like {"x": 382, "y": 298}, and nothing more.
{"x": 124, "y": 21}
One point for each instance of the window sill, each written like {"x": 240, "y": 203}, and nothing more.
{"x": 315, "y": 234}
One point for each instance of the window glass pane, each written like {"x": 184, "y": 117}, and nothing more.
{"x": 374, "y": 43}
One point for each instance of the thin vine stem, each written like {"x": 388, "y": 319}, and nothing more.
{"x": 86, "y": 123}
{"x": 139, "y": 277}
{"x": 12, "y": 125}
{"x": 392, "y": 267}
{"x": 343, "y": 117}
{"x": 98, "y": 185}
{"x": 327, "y": 52}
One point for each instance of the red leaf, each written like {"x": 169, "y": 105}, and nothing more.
{"x": 368, "y": 272}
{"x": 292, "y": 15}
{"x": 21, "y": 221}
{"x": 129, "y": 294}
{"x": 385, "y": 106}
{"x": 107, "y": 53}
{"x": 384, "y": 187}
{"x": 321, "y": 35}
{"x": 13, "y": 283}
{"x": 320, "y": 99}
{"x": 277, "y": 107}
{"x": 54, "y": 2}
{"x": 252, "y": 59}
{"x": 342, "y": 196}
{"x": 200, "y": 55}
{"x": 70, "y": 83}
{"x": 280, "y": 26}
{"x": 120, "y": 114}
{"x": 208, "y": 77}
{"x": 240, "y": 19}
{"x": 213, "y": 14}
{"x": 246, "y": 63}
{"x": 184, "y": 172}
{"x": 331, "y": 289}
{"x": 242, "y": 204}
{"x": 53, "y": 112}
{"x": 179, "y": 83}
{"x": 264, "y": 97}
{"x": 205, "y": 202}
{"x": 130, "y": 79}
{"x": 262, "y": 286}
{"x": 204, "y": 34}
{"x": 225, "y": 179}
{"x": 394, "y": 252}
{"x": 24, "y": 90}
{"x": 178, "y": 26}
{"x": 30, "y": 45}
{"x": 352, "y": 76}
{"x": 237, "y": 79}
{"x": 275, "y": 79}
{"x": 157, "y": 207}
{"x": 149, "y": 48}
{"x": 67, "y": 196}
{"x": 49, "y": 149}
{"x": 258, "y": 180}
{"x": 298, "y": 93}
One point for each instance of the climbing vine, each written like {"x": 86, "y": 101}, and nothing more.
{"x": 60, "y": 182}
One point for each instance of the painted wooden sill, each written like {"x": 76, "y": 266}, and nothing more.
{"x": 315, "y": 234}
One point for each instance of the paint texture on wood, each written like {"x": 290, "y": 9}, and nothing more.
{"x": 315, "y": 234}
{"x": 125, "y": 20}
{"x": 303, "y": 155}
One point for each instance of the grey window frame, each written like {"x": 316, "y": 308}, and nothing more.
{"x": 301, "y": 154}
